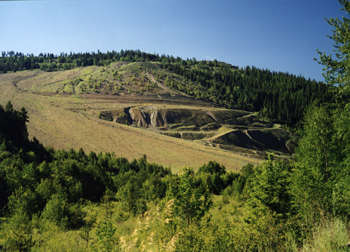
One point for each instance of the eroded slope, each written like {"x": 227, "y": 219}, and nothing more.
{"x": 227, "y": 129}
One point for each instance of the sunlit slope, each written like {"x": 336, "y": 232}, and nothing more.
{"x": 71, "y": 121}
{"x": 119, "y": 78}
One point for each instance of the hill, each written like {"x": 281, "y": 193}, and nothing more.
{"x": 175, "y": 111}
{"x": 79, "y": 200}
{"x": 65, "y": 121}
{"x": 278, "y": 96}
{"x": 146, "y": 95}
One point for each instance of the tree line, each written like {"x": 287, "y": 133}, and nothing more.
{"x": 278, "y": 96}
{"x": 16, "y": 61}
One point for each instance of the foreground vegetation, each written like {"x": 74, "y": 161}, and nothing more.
{"x": 70, "y": 200}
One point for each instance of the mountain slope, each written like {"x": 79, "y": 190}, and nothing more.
{"x": 278, "y": 96}
{"x": 71, "y": 121}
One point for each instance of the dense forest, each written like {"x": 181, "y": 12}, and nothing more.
{"x": 278, "y": 96}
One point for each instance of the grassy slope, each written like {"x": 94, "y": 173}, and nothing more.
{"x": 117, "y": 78}
{"x": 71, "y": 122}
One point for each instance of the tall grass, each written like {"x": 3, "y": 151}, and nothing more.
{"x": 331, "y": 235}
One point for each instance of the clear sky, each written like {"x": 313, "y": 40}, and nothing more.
{"x": 281, "y": 35}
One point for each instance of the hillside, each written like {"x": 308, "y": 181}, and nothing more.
{"x": 139, "y": 94}
{"x": 278, "y": 96}
{"x": 65, "y": 121}
{"x": 214, "y": 109}
{"x": 73, "y": 199}
{"x": 235, "y": 130}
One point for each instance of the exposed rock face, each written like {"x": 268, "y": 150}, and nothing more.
{"x": 139, "y": 118}
{"x": 153, "y": 117}
{"x": 239, "y": 128}
{"x": 157, "y": 119}
{"x": 161, "y": 118}
{"x": 272, "y": 139}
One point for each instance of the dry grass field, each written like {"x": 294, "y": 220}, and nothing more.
{"x": 65, "y": 121}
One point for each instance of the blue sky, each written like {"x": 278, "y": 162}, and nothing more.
{"x": 281, "y": 35}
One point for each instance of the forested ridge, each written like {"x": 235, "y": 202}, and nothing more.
{"x": 278, "y": 96}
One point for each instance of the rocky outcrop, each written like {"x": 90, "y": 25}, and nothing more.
{"x": 139, "y": 118}
{"x": 154, "y": 117}
{"x": 158, "y": 119}
{"x": 239, "y": 128}
{"x": 258, "y": 139}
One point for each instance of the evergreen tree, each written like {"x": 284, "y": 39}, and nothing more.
{"x": 322, "y": 169}
{"x": 191, "y": 201}
{"x": 337, "y": 66}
